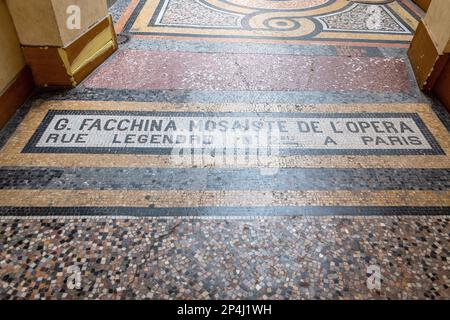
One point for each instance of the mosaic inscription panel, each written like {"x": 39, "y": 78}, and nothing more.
{"x": 90, "y": 131}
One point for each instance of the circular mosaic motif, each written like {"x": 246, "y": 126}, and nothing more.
{"x": 278, "y": 4}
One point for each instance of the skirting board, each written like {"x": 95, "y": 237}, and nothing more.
{"x": 68, "y": 66}
{"x": 15, "y": 95}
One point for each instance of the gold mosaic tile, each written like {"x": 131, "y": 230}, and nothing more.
{"x": 241, "y": 198}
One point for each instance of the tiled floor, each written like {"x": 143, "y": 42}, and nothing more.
{"x": 291, "y": 21}
{"x": 233, "y": 149}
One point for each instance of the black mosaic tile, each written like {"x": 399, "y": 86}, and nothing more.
{"x": 223, "y": 179}
{"x": 227, "y": 212}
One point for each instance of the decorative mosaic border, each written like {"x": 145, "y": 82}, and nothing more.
{"x": 223, "y": 211}
{"x": 292, "y": 179}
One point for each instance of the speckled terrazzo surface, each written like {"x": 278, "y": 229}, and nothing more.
{"x": 297, "y": 258}
{"x": 309, "y": 222}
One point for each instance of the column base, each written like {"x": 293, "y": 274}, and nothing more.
{"x": 68, "y": 66}
{"x": 426, "y": 60}
{"x": 431, "y": 68}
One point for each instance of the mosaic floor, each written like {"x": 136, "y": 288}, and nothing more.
{"x": 192, "y": 165}
{"x": 289, "y": 21}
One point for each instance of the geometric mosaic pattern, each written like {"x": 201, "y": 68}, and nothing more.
{"x": 292, "y": 21}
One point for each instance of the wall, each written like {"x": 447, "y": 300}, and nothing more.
{"x": 11, "y": 59}
{"x": 35, "y": 22}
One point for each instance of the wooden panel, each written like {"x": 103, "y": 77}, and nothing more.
{"x": 423, "y": 4}
{"x": 67, "y": 67}
{"x": 423, "y": 55}
{"x": 16, "y": 94}
{"x": 92, "y": 50}
{"x": 442, "y": 86}
{"x": 436, "y": 73}
{"x": 74, "y": 49}
{"x": 11, "y": 59}
{"x": 47, "y": 66}
{"x": 92, "y": 65}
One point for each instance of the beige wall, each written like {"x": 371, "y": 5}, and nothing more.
{"x": 43, "y": 22}
{"x": 11, "y": 59}
{"x": 438, "y": 23}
